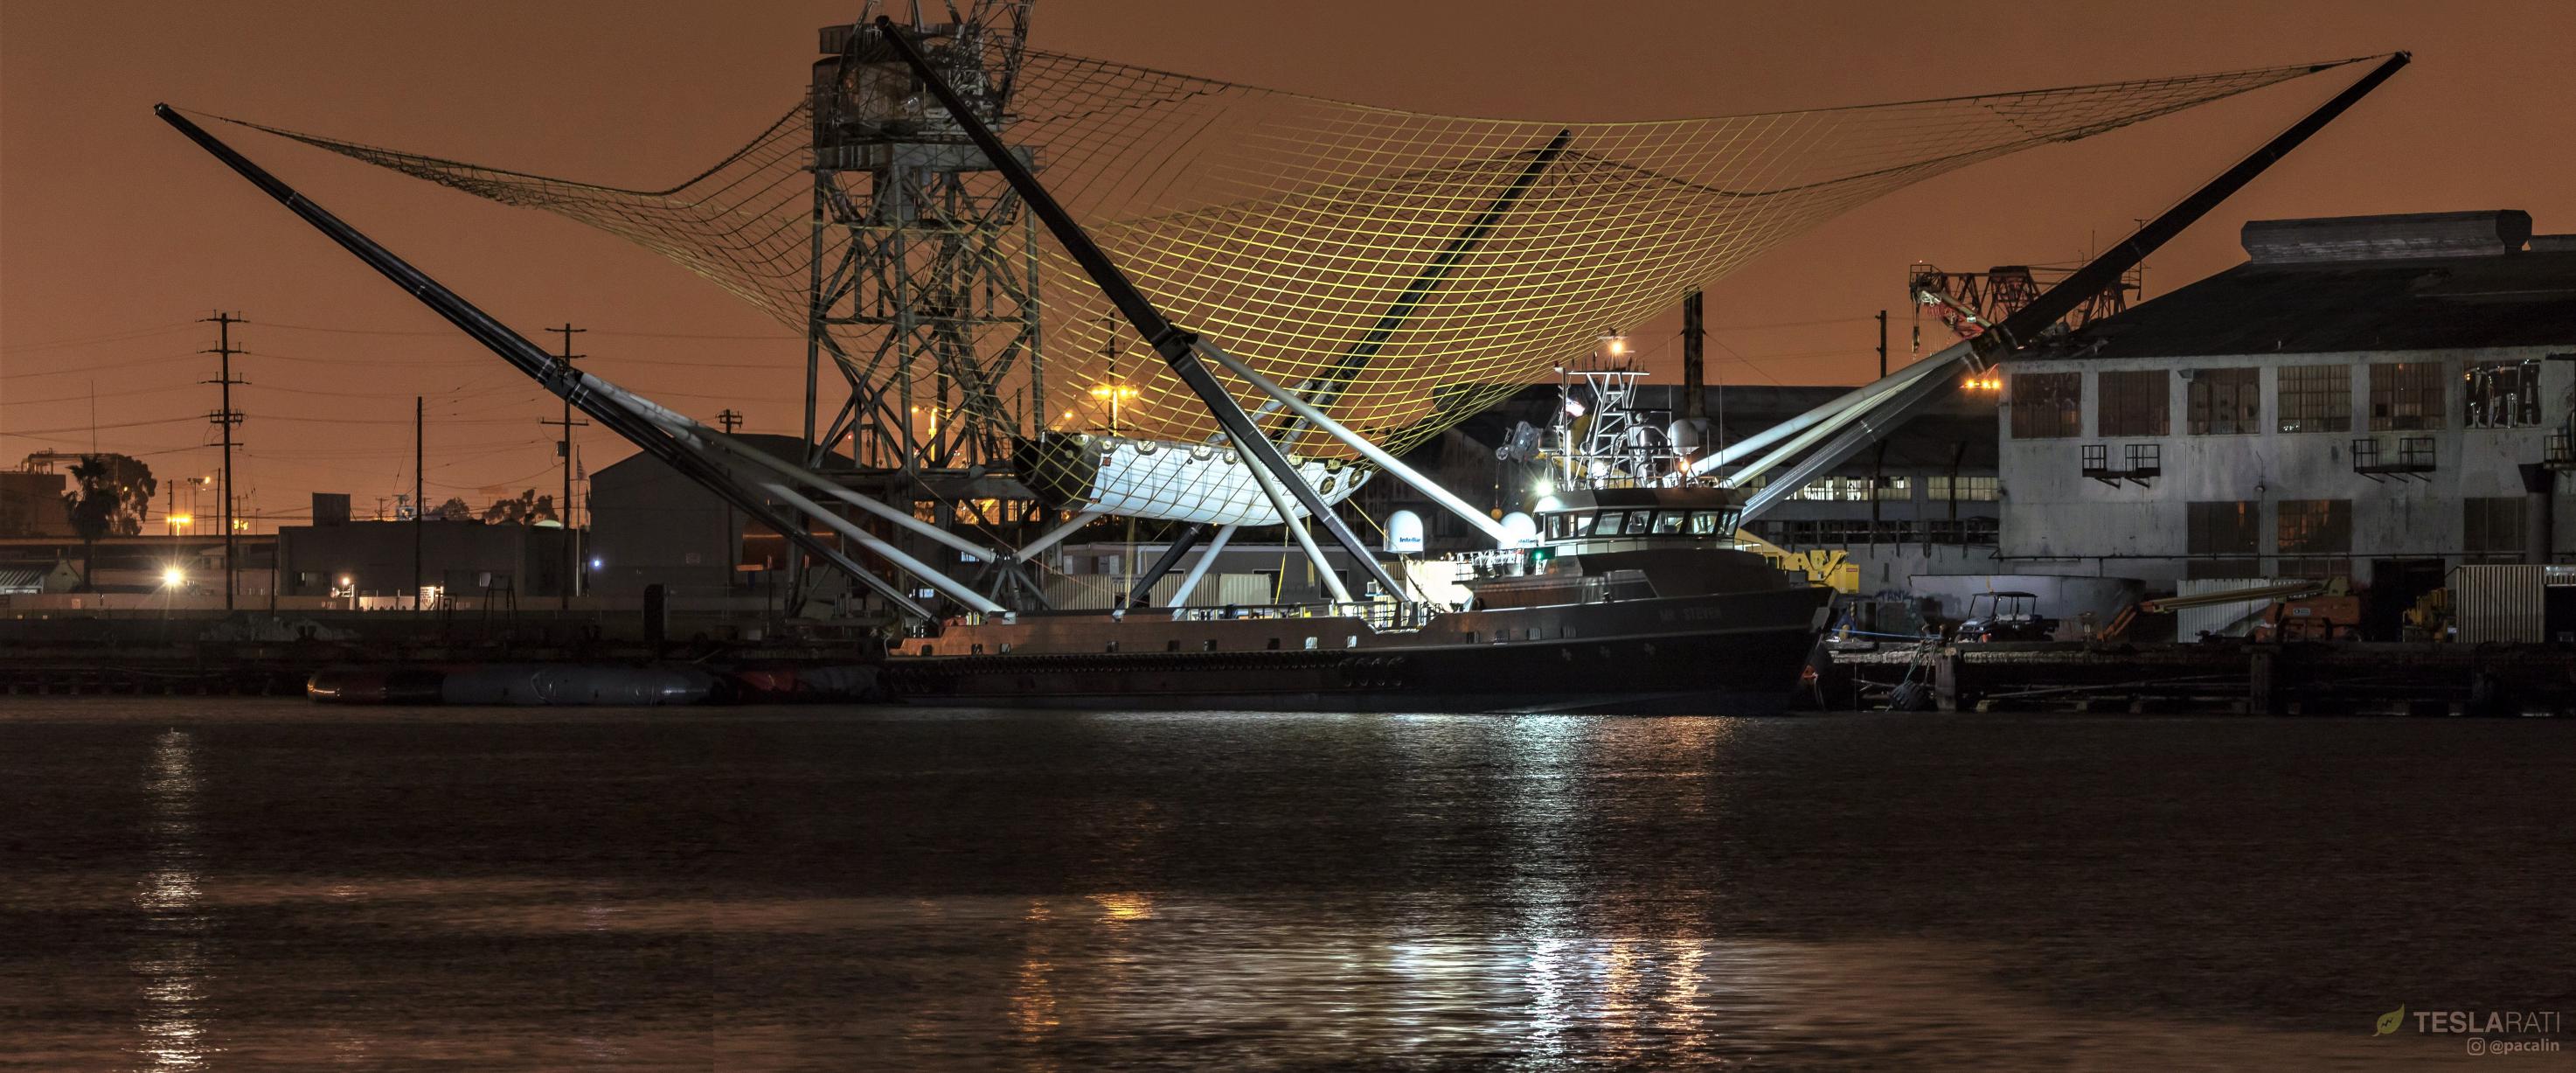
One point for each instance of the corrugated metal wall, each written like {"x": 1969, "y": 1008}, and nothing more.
{"x": 2503, "y": 603}
{"x": 2218, "y": 620}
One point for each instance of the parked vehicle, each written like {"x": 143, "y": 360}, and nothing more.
{"x": 2005, "y": 616}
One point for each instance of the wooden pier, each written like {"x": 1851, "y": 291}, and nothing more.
{"x": 2291, "y": 678}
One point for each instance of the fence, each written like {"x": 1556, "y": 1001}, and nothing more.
{"x": 1100, "y": 592}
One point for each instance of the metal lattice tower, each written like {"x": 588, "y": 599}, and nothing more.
{"x": 924, "y": 271}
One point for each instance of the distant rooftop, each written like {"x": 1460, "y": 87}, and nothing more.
{"x": 2409, "y": 281}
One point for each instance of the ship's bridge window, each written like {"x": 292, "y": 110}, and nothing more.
{"x": 1560, "y": 526}
{"x": 1637, "y": 520}
{"x": 1703, "y": 523}
{"x": 1610, "y": 521}
{"x": 1670, "y": 522}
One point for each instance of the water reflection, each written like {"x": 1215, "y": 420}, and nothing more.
{"x": 1218, "y": 892}
{"x": 1033, "y": 1015}
{"x": 1541, "y": 756}
{"x": 1121, "y": 909}
{"x": 170, "y": 952}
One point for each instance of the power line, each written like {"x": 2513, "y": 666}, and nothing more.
{"x": 629, "y": 334}
{"x": 100, "y": 395}
{"x": 1785, "y": 324}
{"x": 347, "y": 362}
{"x": 110, "y": 365}
{"x": 96, "y": 340}
{"x": 122, "y": 424}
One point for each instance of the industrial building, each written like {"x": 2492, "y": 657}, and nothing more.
{"x": 2383, "y": 398}
{"x": 652, "y": 526}
{"x": 370, "y": 560}
{"x": 31, "y": 502}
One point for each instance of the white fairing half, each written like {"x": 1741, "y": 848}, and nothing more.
{"x": 1198, "y": 482}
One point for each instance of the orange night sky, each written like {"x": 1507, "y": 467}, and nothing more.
{"x": 116, "y": 234}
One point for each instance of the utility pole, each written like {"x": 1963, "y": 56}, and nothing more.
{"x": 226, "y": 417}
{"x": 732, "y": 420}
{"x": 1882, "y": 344}
{"x": 419, "y": 481}
{"x": 572, "y": 542}
{"x": 1694, "y": 358}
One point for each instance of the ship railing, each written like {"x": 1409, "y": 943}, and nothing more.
{"x": 1379, "y": 614}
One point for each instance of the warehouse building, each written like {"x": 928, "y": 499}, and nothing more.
{"x": 2383, "y": 398}
{"x": 453, "y": 559}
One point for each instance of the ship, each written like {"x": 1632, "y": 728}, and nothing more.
{"x": 1632, "y": 601}
{"x": 1627, "y": 589}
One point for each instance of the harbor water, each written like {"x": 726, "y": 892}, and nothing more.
{"x": 200, "y": 884}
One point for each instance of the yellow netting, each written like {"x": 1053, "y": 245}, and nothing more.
{"x": 1301, "y": 233}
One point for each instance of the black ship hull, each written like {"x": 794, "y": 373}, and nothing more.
{"x": 1731, "y": 654}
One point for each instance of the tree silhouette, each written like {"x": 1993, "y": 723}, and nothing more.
{"x": 110, "y": 496}
{"x": 528, "y": 508}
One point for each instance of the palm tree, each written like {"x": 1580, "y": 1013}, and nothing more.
{"x": 110, "y": 494}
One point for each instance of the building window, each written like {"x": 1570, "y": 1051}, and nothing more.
{"x": 2316, "y": 398}
{"x": 2226, "y": 402}
{"x": 2223, "y": 538}
{"x": 1962, "y": 531}
{"x": 1945, "y": 488}
{"x": 1896, "y": 488}
{"x": 2047, "y": 405}
{"x": 2504, "y": 394}
{"x": 2135, "y": 404}
{"x": 2406, "y": 396}
{"x": 2316, "y": 537}
{"x": 2491, "y": 528}
{"x": 1836, "y": 490}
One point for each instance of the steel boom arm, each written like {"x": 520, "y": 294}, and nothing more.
{"x": 1176, "y": 345}
{"x": 1889, "y": 410}
{"x": 528, "y": 358}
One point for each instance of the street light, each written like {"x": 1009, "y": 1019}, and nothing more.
{"x": 1613, "y": 343}
{"x": 172, "y": 577}
{"x": 1116, "y": 394}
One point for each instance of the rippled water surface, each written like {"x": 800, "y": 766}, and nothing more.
{"x": 191, "y": 884}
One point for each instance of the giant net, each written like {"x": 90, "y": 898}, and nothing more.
{"x": 1402, "y": 269}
